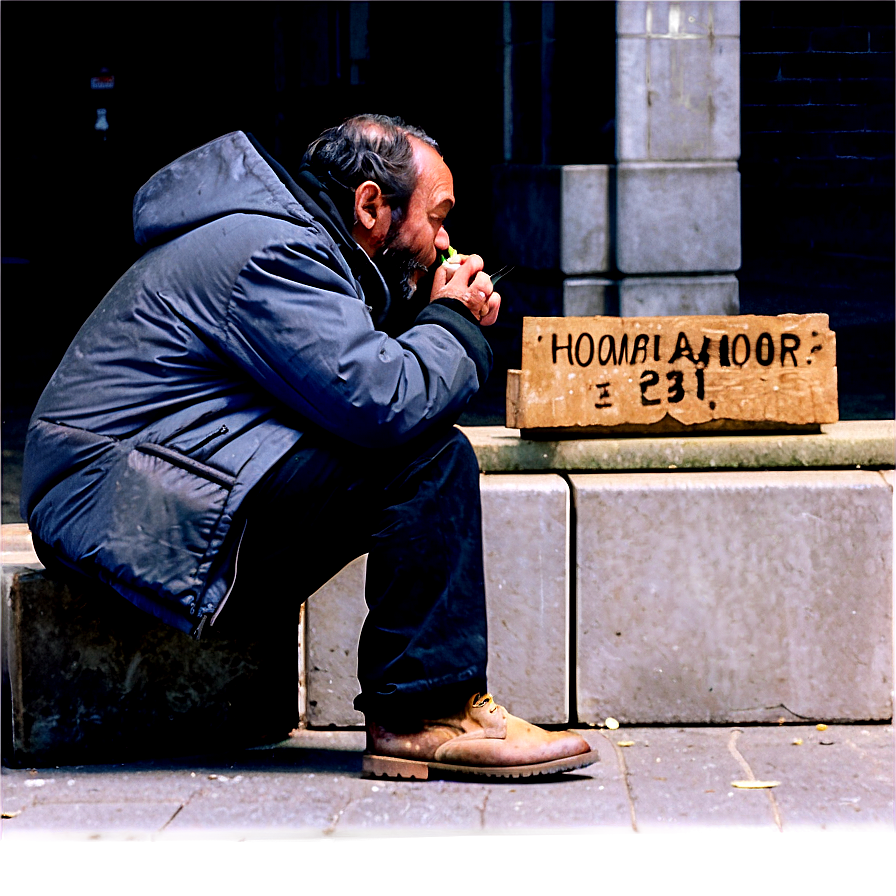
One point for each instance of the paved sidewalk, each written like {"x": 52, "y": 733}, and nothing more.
{"x": 648, "y": 780}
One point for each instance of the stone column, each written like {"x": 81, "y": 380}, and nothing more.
{"x": 678, "y": 140}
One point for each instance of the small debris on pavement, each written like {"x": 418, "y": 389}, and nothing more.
{"x": 754, "y": 785}
{"x": 821, "y": 727}
{"x": 797, "y": 741}
{"x": 612, "y": 724}
{"x": 625, "y": 743}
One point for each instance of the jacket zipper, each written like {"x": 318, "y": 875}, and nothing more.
{"x": 218, "y": 432}
{"x": 236, "y": 562}
{"x": 212, "y": 617}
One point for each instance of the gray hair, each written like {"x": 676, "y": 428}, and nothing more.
{"x": 369, "y": 147}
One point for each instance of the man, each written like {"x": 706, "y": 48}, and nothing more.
{"x": 234, "y": 423}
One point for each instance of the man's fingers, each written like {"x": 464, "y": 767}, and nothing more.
{"x": 491, "y": 310}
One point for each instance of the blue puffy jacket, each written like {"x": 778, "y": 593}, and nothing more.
{"x": 242, "y": 326}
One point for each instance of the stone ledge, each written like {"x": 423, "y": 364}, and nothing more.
{"x": 866, "y": 444}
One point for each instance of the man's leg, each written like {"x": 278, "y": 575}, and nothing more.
{"x": 415, "y": 510}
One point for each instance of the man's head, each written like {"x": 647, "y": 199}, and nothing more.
{"x": 402, "y": 191}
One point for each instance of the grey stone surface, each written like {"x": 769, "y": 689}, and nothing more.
{"x": 661, "y": 296}
{"x": 678, "y": 99}
{"x": 720, "y": 597}
{"x": 834, "y": 779}
{"x": 682, "y": 777}
{"x": 699, "y": 18}
{"x": 527, "y": 599}
{"x": 596, "y": 796}
{"x": 92, "y": 820}
{"x": 848, "y": 444}
{"x": 525, "y": 522}
{"x": 677, "y": 217}
{"x": 585, "y": 219}
{"x": 665, "y": 780}
{"x": 586, "y": 296}
{"x": 551, "y": 217}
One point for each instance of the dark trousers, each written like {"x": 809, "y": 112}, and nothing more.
{"x": 415, "y": 510}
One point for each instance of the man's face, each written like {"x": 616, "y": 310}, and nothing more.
{"x": 412, "y": 245}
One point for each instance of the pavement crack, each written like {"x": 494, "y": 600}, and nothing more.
{"x": 483, "y": 807}
{"x": 334, "y": 821}
{"x": 177, "y": 812}
{"x": 748, "y": 772}
{"x": 623, "y": 770}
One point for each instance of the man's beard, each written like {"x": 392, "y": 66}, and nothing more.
{"x": 399, "y": 267}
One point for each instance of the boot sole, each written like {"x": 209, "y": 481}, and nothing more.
{"x": 389, "y": 767}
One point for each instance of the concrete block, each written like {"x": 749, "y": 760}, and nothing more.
{"x": 551, "y": 217}
{"x": 525, "y": 522}
{"x": 89, "y": 678}
{"x": 585, "y": 219}
{"x": 734, "y": 597}
{"x": 682, "y": 217}
{"x": 588, "y": 296}
{"x": 525, "y": 550}
{"x": 678, "y": 100}
{"x": 664, "y": 296}
{"x": 691, "y": 18}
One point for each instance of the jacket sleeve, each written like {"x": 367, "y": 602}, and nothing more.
{"x": 298, "y": 325}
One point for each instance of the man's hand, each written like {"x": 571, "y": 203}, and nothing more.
{"x": 464, "y": 279}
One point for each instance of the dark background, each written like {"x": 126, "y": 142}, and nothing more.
{"x": 817, "y": 138}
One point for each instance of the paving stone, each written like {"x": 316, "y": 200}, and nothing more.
{"x": 678, "y": 217}
{"x": 683, "y": 778}
{"x": 527, "y": 593}
{"x": 835, "y": 779}
{"x": 82, "y": 785}
{"x": 664, "y": 296}
{"x": 678, "y": 99}
{"x": 734, "y": 597}
{"x": 595, "y": 796}
{"x": 413, "y": 806}
{"x": 91, "y": 820}
{"x": 300, "y": 804}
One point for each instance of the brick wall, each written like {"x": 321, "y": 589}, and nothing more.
{"x": 817, "y": 175}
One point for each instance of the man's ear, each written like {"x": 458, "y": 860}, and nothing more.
{"x": 373, "y": 216}
{"x": 369, "y": 204}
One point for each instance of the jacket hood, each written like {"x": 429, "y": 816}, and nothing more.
{"x": 225, "y": 176}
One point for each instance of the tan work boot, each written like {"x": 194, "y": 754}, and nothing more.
{"x": 483, "y": 739}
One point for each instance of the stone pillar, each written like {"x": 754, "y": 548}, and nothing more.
{"x": 678, "y": 140}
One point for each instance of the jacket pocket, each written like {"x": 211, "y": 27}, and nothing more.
{"x": 166, "y": 511}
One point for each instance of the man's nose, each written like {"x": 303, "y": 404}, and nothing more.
{"x": 442, "y": 241}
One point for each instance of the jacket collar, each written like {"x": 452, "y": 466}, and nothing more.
{"x": 319, "y": 202}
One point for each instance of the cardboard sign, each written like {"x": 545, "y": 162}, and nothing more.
{"x": 608, "y": 375}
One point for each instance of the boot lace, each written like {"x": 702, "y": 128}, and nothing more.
{"x": 484, "y": 700}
